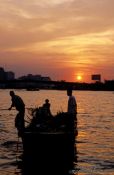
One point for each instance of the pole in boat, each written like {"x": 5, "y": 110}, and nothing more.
{"x": 3, "y": 109}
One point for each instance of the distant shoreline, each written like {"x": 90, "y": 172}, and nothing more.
{"x": 56, "y": 85}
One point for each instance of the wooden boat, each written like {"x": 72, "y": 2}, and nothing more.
{"x": 50, "y": 140}
{"x": 49, "y": 151}
{"x": 32, "y": 89}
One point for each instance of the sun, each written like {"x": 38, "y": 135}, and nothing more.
{"x": 79, "y": 77}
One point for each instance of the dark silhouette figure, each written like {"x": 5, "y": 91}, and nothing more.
{"x": 18, "y": 103}
{"x": 72, "y": 111}
{"x": 72, "y": 104}
{"x": 46, "y": 106}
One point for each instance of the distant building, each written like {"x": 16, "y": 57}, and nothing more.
{"x": 2, "y": 74}
{"x": 35, "y": 81}
{"x": 46, "y": 79}
{"x": 109, "y": 82}
{"x": 10, "y": 75}
{"x": 6, "y": 75}
{"x": 30, "y": 77}
{"x": 34, "y": 77}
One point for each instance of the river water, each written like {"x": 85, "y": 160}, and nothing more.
{"x": 95, "y": 140}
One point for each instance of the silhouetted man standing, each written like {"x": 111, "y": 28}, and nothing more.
{"x": 72, "y": 110}
{"x": 72, "y": 105}
{"x": 18, "y": 103}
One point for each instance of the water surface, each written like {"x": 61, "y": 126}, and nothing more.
{"x": 95, "y": 141}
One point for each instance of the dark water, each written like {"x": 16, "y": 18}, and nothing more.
{"x": 95, "y": 140}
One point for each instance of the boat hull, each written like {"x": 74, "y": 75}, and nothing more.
{"x": 55, "y": 150}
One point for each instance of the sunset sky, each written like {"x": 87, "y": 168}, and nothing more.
{"x": 61, "y": 39}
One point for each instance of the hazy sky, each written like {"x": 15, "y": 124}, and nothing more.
{"x": 58, "y": 38}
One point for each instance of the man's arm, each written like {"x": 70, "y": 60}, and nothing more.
{"x": 12, "y": 105}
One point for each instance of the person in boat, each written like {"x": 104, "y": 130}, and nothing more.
{"x": 18, "y": 103}
{"x": 72, "y": 104}
{"x": 72, "y": 109}
{"x": 46, "y": 107}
